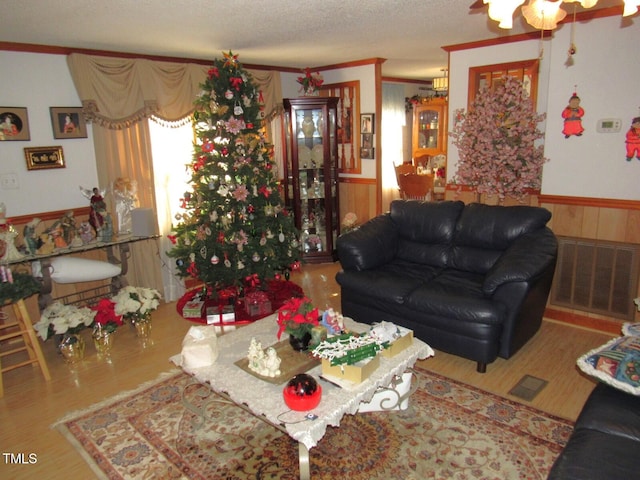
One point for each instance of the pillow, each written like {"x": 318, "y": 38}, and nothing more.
{"x": 74, "y": 269}
{"x": 631, "y": 329}
{"x": 616, "y": 363}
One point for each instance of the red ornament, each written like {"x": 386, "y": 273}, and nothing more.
{"x": 251, "y": 209}
{"x": 221, "y": 237}
{"x": 268, "y": 166}
{"x": 249, "y": 125}
{"x": 207, "y": 147}
{"x": 172, "y": 238}
{"x": 225, "y": 151}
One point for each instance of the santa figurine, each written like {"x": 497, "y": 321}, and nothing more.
{"x": 633, "y": 140}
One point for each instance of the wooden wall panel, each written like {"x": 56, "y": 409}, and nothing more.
{"x": 358, "y": 197}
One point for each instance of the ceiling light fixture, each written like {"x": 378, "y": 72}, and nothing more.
{"x": 543, "y": 14}
{"x": 441, "y": 84}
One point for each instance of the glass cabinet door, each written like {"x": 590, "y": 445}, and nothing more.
{"x": 428, "y": 127}
{"x": 312, "y": 182}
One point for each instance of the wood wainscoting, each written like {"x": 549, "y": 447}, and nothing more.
{"x": 358, "y": 195}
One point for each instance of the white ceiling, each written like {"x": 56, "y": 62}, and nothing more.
{"x": 286, "y": 33}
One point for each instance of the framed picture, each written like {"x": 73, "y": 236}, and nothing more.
{"x": 366, "y": 123}
{"x": 367, "y": 153}
{"x": 68, "y": 122}
{"x": 44, "y": 157}
{"x": 14, "y": 124}
{"x": 367, "y": 140}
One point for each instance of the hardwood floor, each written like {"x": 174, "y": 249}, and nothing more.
{"x": 30, "y": 405}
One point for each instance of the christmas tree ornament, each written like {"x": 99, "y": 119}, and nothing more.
{"x": 228, "y": 94}
{"x": 255, "y": 257}
{"x": 237, "y": 110}
{"x": 215, "y": 260}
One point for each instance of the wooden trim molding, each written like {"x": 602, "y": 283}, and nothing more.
{"x": 591, "y": 202}
{"x": 53, "y": 215}
{"x": 358, "y": 180}
{"x": 584, "y": 321}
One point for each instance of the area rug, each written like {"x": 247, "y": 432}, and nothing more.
{"x": 450, "y": 431}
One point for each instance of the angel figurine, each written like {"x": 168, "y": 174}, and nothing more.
{"x": 124, "y": 193}
{"x": 98, "y": 205}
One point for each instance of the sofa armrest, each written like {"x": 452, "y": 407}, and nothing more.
{"x": 371, "y": 245}
{"x": 527, "y": 258}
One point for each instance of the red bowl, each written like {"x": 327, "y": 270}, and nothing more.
{"x": 301, "y": 403}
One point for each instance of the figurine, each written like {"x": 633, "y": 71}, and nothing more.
{"x": 46, "y": 244}
{"x": 633, "y": 139}
{"x": 105, "y": 234}
{"x": 572, "y": 115}
{"x": 68, "y": 224}
{"x": 30, "y": 236}
{"x": 86, "y": 233}
{"x": 124, "y": 192}
{"x": 96, "y": 198}
{"x": 265, "y": 364}
{"x": 8, "y": 235}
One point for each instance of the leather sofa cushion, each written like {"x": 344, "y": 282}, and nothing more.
{"x": 611, "y": 411}
{"x": 425, "y": 230}
{"x": 593, "y": 455}
{"x": 483, "y": 232}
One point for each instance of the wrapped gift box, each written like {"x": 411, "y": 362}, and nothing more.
{"x": 257, "y": 303}
{"x": 400, "y": 344}
{"x": 193, "y": 309}
{"x": 214, "y": 315}
{"x": 356, "y": 373}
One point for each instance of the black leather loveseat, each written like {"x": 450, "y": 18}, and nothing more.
{"x": 605, "y": 443}
{"x": 469, "y": 280}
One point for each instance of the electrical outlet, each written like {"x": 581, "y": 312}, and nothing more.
{"x": 9, "y": 181}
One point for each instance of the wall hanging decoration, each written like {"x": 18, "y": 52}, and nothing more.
{"x": 572, "y": 115}
{"x": 39, "y": 158}
{"x": 68, "y": 122}
{"x": 14, "y": 124}
{"x": 633, "y": 139}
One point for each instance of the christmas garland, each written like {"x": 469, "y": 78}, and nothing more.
{"x": 23, "y": 286}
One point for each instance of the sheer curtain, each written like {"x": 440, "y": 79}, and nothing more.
{"x": 393, "y": 123}
{"x": 172, "y": 149}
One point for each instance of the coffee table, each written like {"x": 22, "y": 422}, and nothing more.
{"x": 264, "y": 399}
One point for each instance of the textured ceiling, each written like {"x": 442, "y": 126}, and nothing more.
{"x": 409, "y": 34}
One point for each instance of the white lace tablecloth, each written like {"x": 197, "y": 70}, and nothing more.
{"x": 265, "y": 399}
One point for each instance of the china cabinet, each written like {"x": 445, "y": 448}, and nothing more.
{"x": 311, "y": 174}
{"x": 429, "y": 128}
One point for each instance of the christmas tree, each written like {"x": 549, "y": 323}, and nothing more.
{"x": 235, "y": 228}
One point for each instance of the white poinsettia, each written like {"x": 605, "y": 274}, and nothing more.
{"x": 136, "y": 302}
{"x": 58, "y": 319}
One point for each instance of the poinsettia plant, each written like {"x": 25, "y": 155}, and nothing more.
{"x": 136, "y": 303}
{"x": 60, "y": 319}
{"x": 497, "y": 142}
{"x": 106, "y": 318}
{"x": 297, "y": 317}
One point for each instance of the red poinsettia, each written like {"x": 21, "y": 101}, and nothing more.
{"x": 106, "y": 315}
{"x": 297, "y": 317}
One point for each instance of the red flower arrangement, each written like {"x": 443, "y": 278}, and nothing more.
{"x": 106, "y": 316}
{"x": 297, "y": 317}
{"x": 310, "y": 81}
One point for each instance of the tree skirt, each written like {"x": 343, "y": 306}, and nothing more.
{"x": 278, "y": 292}
{"x": 450, "y": 431}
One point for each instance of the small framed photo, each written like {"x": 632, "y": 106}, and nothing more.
{"x": 367, "y": 153}
{"x": 14, "y": 124}
{"x": 367, "y": 140}
{"x": 39, "y": 158}
{"x": 68, "y": 122}
{"x": 366, "y": 123}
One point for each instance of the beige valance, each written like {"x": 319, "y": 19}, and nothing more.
{"x": 118, "y": 92}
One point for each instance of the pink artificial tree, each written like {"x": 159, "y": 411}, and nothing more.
{"x": 496, "y": 141}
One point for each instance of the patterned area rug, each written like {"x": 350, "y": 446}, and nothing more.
{"x": 449, "y": 431}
